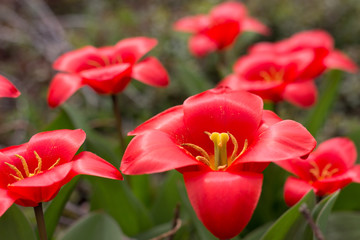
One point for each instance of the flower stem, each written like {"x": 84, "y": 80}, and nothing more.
{"x": 39, "y": 214}
{"x": 315, "y": 228}
{"x": 118, "y": 121}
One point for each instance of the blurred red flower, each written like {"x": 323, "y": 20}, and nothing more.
{"x": 35, "y": 171}
{"x": 318, "y": 41}
{"x": 220, "y": 140}
{"x": 219, "y": 29}
{"x": 275, "y": 77}
{"x": 107, "y": 70}
{"x": 285, "y": 70}
{"x": 7, "y": 89}
{"x": 329, "y": 168}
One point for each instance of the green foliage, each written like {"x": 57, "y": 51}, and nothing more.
{"x": 15, "y": 226}
{"x": 94, "y": 226}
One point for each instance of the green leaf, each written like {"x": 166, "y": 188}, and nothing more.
{"x": 15, "y": 226}
{"x": 283, "y": 228}
{"x": 141, "y": 187}
{"x": 347, "y": 196}
{"x": 343, "y": 226}
{"x": 94, "y": 226}
{"x": 257, "y": 233}
{"x": 320, "y": 112}
{"x": 167, "y": 198}
{"x": 118, "y": 201}
{"x": 322, "y": 211}
{"x": 55, "y": 208}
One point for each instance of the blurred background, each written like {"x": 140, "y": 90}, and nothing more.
{"x": 33, "y": 33}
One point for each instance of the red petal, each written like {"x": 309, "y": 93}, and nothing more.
{"x": 222, "y": 110}
{"x": 253, "y": 25}
{"x": 281, "y": 141}
{"x": 354, "y": 173}
{"x": 338, "y": 60}
{"x": 7, "y": 155}
{"x": 223, "y": 34}
{"x": 154, "y": 151}
{"x": 131, "y": 50}
{"x": 200, "y": 45}
{"x": 42, "y": 187}
{"x": 7, "y": 89}
{"x": 169, "y": 121}
{"x": 62, "y": 87}
{"x": 294, "y": 190}
{"x": 303, "y": 94}
{"x": 90, "y": 164}
{"x": 79, "y": 60}
{"x": 228, "y": 11}
{"x": 108, "y": 80}
{"x": 340, "y": 152}
{"x": 224, "y": 201}
{"x": 150, "y": 71}
{"x": 193, "y": 24}
{"x": 298, "y": 167}
{"x": 6, "y": 201}
{"x": 52, "y": 145}
{"x": 332, "y": 184}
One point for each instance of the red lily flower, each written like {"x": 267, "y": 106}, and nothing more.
{"x": 275, "y": 77}
{"x": 35, "y": 171}
{"x": 318, "y": 41}
{"x": 219, "y": 29}
{"x": 107, "y": 70}
{"x": 7, "y": 89}
{"x": 220, "y": 140}
{"x": 329, "y": 168}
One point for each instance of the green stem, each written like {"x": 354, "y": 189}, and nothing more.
{"x": 117, "y": 115}
{"x": 39, "y": 214}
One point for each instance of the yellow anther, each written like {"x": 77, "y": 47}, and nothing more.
{"x": 56, "y": 163}
{"x": 94, "y": 64}
{"x": 38, "y": 169}
{"x": 24, "y": 163}
{"x": 325, "y": 173}
{"x": 17, "y": 171}
{"x": 197, "y": 148}
{"x": 106, "y": 60}
{"x": 272, "y": 75}
{"x": 203, "y": 160}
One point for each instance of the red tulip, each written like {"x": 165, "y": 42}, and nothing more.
{"x": 219, "y": 29}
{"x": 34, "y": 172}
{"x": 318, "y": 41}
{"x": 329, "y": 168}
{"x": 275, "y": 77}
{"x": 7, "y": 89}
{"x": 220, "y": 140}
{"x": 107, "y": 70}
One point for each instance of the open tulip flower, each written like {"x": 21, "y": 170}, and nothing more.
{"x": 220, "y": 140}
{"x": 34, "y": 172}
{"x": 275, "y": 77}
{"x": 107, "y": 70}
{"x": 318, "y": 41}
{"x": 7, "y": 89}
{"x": 219, "y": 29}
{"x": 329, "y": 168}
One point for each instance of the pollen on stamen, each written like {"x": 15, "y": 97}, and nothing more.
{"x": 17, "y": 171}
{"x": 54, "y": 165}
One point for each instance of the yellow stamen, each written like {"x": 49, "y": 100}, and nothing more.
{"x": 203, "y": 160}
{"x": 94, "y": 64}
{"x": 56, "y": 163}
{"x": 38, "y": 169}
{"x": 24, "y": 163}
{"x": 197, "y": 148}
{"x": 17, "y": 171}
{"x": 106, "y": 60}
{"x": 272, "y": 75}
{"x": 325, "y": 173}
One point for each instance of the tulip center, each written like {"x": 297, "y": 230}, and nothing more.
{"x": 105, "y": 61}
{"x": 19, "y": 176}
{"x": 220, "y": 159}
{"x": 326, "y": 172}
{"x": 272, "y": 75}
